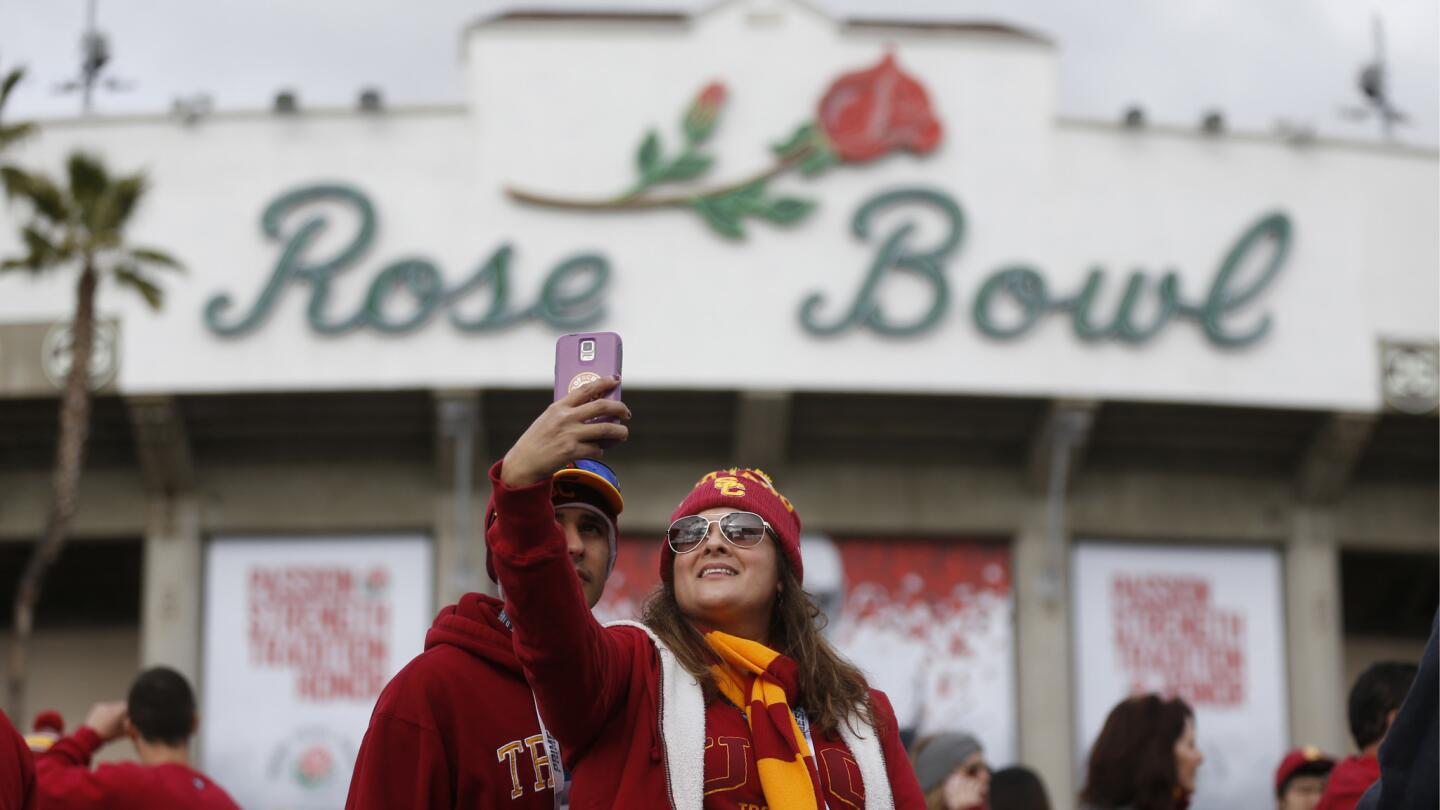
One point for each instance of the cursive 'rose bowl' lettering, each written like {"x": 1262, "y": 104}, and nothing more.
{"x": 896, "y": 253}
{"x": 405, "y": 294}
{"x": 1023, "y": 291}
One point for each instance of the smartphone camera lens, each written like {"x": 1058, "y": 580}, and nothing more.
{"x": 587, "y": 350}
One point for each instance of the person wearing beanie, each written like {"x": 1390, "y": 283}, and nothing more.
{"x": 952, "y": 772}
{"x": 48, "y": 728}
{"x": 726, "y": 695}
{"x": 1300, "y": 778}
{"x": 458, "y": 726}
{"x": 158, "y": 715}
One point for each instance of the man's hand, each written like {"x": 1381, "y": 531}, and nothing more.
{"x": 564, "y": 433}
{"x": 107, "y": 719}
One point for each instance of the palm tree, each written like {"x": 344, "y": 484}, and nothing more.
{"x": 80, "y": 225}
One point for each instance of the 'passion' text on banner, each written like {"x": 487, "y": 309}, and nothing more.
{"x": 1171, "y": 638}
{"x": 328, "y": 624}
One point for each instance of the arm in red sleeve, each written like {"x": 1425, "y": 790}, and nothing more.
{"x": 63, "y": 778}
{"x": 903, "y": 785}
{"x": 578, "y": 670}
{"x": 17, "y": 770}
{"x": 400, "y": 764}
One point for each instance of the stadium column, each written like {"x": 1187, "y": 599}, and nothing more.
{"x": 1314, "y": 631}
{"x": 1042, "y": 563}
{"x": 762, "y": 428}
{"x": 170, "y": 606}
{"x": 462, "y": 491}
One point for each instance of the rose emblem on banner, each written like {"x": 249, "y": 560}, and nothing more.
{"x": 862, "y": 116}
{"x": 314, "y": 766}
{"x": 376, "y": 581}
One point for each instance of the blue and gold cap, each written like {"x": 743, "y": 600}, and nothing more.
{"x": 593, "y": 476}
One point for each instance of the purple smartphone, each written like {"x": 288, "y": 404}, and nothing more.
{"x": 584, "y": 358}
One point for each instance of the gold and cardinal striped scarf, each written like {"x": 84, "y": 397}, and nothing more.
{"x": 761, "y": 681}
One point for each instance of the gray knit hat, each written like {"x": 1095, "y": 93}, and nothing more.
{"x": 937, "y": 756}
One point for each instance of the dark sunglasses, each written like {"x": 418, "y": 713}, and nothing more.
{"x": 740, "y": 529}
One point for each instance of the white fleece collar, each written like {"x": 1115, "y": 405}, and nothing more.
{"x": 682, "y": 728}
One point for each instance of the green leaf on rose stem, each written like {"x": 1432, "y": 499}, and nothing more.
{"x": 648, "y": 157}
{"x": 797, "y": 141}
{"x": 786, "y": 210}
{"x": 698, "y": 127}
{"x": 719, "y": 213}
{"x": 746, "y": 197}
{"x": 818, "y": 161}
{"x": 688, "y": 167}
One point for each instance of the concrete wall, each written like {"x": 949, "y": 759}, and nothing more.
{"x": 70, "y": 670}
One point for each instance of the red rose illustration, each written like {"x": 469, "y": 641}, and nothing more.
{"x": 873, "y": 112}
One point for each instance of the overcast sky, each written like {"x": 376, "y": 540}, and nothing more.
{"x": 1260, "y": 61}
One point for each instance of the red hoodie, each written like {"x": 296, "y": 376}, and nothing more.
{"x": 456, "y": 728}
{"x": 1348, "y": 781}
{"x": 601, "y": 690}
{"x": 17, "y": 769}
{"x": 64, "y": 781}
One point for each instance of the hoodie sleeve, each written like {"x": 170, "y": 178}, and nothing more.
{"x": 400, "y": 764}
{"x": 17, "y": 769}
{"x": 578, "y": 670}
{"x": 63, "y": 778}
{"x": 903, "y": 785}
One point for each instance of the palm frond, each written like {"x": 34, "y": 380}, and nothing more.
{"x": 114, "y": 208}
{"x": 43, "y": 252}
{"x": 38, "y": 190}
{"x": 151, "y": 256}
{"x": 129, "y": 276}
{"x": 11, "y": 134}
{"x": 15, "y": 263}
{"x": 8, "y": 84}
{"x": 89, "y": 183}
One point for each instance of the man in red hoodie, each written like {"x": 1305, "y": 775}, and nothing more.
{"x": 458, "y": 727}
{"x": 159, "y": 717}
{"x": 1374, "y": 701}
{"x": 17, "y": 770}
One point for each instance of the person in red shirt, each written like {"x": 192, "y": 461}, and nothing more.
{"x": 17, "y": 769}
{"x": 1374, "y": 701}
{"x": 159, "y": 718}
{"x": 458, "y": 727}
{"x": 727, "y": 696}
{"x": 1300, "y": 778}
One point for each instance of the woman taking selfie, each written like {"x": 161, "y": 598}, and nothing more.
{"x": 1145, "y": 757}
{"x": 727, "y": 696}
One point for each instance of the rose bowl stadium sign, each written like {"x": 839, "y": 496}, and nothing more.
{"x": 863, "y": 116}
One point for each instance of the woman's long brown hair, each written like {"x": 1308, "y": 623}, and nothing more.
{"x": 1132, "y": 763}
{"x": 832, "y": 690}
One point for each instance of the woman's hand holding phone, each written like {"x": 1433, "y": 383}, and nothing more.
{"x": 566, "y": 431}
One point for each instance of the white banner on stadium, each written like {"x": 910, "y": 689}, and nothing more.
{"x": 300, "y": 636}
{"x": 1206, "y": 624}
